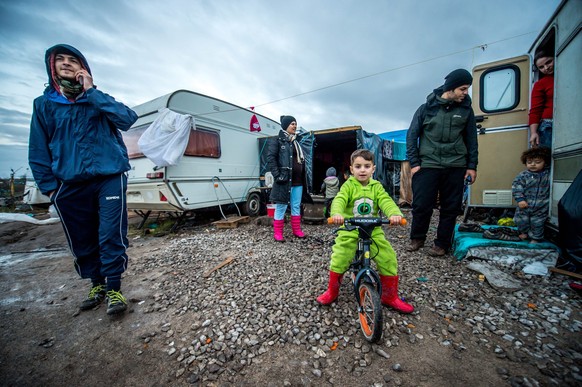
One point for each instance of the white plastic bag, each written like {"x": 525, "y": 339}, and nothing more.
{"x": 165, "y": 141}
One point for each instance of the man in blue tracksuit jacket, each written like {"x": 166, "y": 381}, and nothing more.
{"x": 78, "y": 159}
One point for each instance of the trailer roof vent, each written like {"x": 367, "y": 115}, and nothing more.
{"x": 216, "y": 108}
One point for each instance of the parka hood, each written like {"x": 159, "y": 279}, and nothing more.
{"x": 49, "y": 61}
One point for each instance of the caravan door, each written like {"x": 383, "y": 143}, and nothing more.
{"x": 500, "y": 102}
{"x": 563, "y": 33}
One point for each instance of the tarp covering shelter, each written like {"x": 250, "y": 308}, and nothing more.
{"x": 395, "y": 144}
{"x": 394, "y": 151}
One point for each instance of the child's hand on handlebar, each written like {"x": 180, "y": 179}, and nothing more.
{"x": 397, "y": 220}
{"x": 336, "y": 219}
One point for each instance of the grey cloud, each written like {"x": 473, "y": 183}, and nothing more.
{"x": 14, "y": 126}
{"x": 13, "y": 157}
{"x": 254, "y": 52}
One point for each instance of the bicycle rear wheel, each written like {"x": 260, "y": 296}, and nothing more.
{"x": 370, "y": 312}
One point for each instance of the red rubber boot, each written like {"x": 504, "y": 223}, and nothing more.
{"x": 296, "y": 226}
{"x": 390, "y": 295}
{"x": 330, "y": 295}
{"x": 278, "y": 226}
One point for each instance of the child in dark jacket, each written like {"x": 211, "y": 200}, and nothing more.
{"x": 330, "y": 188}
{"x": 531, "y": 191}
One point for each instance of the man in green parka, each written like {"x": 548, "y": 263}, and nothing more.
{"x": 441, "y": 145}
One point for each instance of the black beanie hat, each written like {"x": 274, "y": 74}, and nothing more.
{"x": 286, "y": 121}
{"x": 456, "y": 78}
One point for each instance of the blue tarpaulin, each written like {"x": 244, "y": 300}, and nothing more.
{"x": 463, "y": 241}
{"x": 394, "y": 144}
{"x": 373, "y": 142}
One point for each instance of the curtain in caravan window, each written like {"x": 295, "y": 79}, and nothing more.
{"x": 130, "y": 138}
{"x": 203, "y": 143}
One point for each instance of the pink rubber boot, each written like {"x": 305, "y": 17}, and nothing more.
{"x": 296, "y": 226}
{"x": 278, "y": 226}
{"x": 390, "y": 295}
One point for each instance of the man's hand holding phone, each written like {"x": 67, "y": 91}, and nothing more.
{"x": 85, "y": 79}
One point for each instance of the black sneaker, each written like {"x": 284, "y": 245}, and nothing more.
{"x": 508, "y": 231}
{"x": 95, "y": 297}
{"x": 116, "y": 303}
{"x": 470, "y": 227}
{"x": 495, "y": 233}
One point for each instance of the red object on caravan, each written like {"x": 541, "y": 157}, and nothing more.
{"x": 254, "y": 125}
{"x": 155, "y": 175}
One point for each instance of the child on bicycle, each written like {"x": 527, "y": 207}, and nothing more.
{"x": 361, "y": 196}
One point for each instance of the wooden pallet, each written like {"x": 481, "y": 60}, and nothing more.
{"x": 232, "y": 222}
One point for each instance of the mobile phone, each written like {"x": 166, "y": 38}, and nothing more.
{"x": 81, "y": 80}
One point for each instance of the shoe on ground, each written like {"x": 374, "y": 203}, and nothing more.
{"x": 415, "y": 245}
{"x": 95, "y": 297}
{"x": 470, "y": 227}
{"x": 495, "y": 233}
{"x": 116, "y": 303}
{"x": 436, "y": 251}
{"x": 508, "y": 231}
{"x": 491, "y": 233}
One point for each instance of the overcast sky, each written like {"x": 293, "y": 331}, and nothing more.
{"x": 329, "y": 63}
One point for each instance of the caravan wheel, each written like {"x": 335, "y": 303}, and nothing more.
{"x": 254, "y": 205}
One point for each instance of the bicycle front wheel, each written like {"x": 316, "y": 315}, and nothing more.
{"x": 370, "y": 313}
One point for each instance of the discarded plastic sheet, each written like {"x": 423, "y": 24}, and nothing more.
{"x": 496, "y": 278}
{"x": 9, "y": 217}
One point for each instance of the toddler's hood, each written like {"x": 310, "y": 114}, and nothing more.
{"x": 330, "y": 171}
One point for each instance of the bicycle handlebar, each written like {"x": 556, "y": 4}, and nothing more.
{"x": 368, "y": 221}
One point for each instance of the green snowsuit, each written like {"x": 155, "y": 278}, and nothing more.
{"x": 355, "y": 200}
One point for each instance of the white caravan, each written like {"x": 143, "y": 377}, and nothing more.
{"x": 220, "y": 165}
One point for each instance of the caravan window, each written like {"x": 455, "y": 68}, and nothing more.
{"x": 500, "y": 89}
{"x": 130, "y": 139}
{"x": 202, "y": 142}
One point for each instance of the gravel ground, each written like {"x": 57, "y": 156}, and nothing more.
{"x": 255, "y": 321}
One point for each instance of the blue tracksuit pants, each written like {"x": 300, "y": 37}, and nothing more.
{"x": 94, "y": 216}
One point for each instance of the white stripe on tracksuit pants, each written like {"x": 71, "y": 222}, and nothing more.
{"x": 94, "y": 217}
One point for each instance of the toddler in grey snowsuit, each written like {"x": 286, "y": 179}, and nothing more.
{"x": 330, "y": 188}
{"x": 531, "y": 191}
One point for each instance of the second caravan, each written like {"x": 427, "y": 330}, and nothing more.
{"x": 501, "y": 98}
